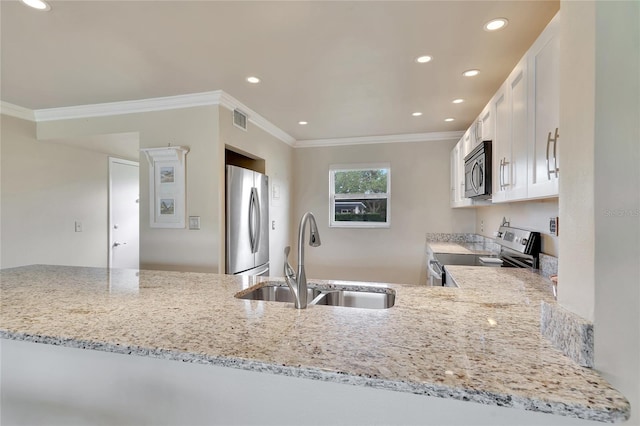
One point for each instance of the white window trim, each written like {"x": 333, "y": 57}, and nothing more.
{"x": 332, "y": 197}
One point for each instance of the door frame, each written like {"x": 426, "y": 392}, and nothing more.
{"x": 113, "y": 160}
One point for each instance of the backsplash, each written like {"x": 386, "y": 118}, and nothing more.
{"x": 456, "y": 238}
{"x": 548, "y": 265}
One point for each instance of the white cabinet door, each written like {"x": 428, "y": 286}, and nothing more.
{"x": 510, "y": 143}
{"x": 518, "y": 87}
{"x": 457, "y": 176}
{"x": 453, "y": 179}
{"x": 544, "y": 114}
{"x": 484, "y": 127}
{"x": 501, "y": 146}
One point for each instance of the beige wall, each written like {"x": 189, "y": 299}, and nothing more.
{"x": 278, "y": 161}
{"x": 205, "y": 130}
{"x": 533, "y": 215}
{"x": 576, "y": 153}
{"x": 197, "y": 128}
{"x": 419, "y": 204}
{"x": 617, "y": 198}
{"x": 46, "y": 188}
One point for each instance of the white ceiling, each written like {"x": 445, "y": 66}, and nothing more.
{"x": 346, "y": 67}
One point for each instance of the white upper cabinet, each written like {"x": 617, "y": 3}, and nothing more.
{"x": 484, "y": 125}
{"x": 510, "y": 142}
{"x": 544, "y": 114}
{"x": 522, "y": 121}
{"x": 518, "y": 85}
{"x": 500, "y": 146}
{"x": 457, "y": 176}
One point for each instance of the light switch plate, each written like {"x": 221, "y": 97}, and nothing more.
{"x": 194, "y": 222}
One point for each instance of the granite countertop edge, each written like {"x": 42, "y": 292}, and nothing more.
{"x": 514, "y": 287}
{"x": 424, "y": 389}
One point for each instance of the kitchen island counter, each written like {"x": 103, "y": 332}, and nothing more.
{"x": 480, "y": 342}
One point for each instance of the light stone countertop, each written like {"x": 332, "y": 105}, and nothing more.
{"x": 463, "y": 248}
{"x": 480, "y": 342}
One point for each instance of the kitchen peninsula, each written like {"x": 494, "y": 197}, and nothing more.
{"x": 478, "y": 343}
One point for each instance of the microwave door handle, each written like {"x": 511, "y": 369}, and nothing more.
{"x": 473, "y": 175}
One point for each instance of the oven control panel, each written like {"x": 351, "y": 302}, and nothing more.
{"x": 520, "y": 240}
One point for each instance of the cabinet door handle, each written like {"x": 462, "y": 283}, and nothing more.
{"x": 548, "y": 169}
{"x": 555, "y": 169}
{"x": 555, "y": 156}
{"x": 503, "y": 164}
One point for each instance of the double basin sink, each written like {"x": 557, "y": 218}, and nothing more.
{"x": 349, "y": 297}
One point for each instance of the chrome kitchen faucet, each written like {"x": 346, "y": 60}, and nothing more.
{"x": 298, "y": 282}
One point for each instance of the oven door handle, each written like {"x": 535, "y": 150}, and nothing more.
{"x": 433, "y": 264}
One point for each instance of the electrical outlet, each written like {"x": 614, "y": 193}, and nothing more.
{"x": 78, "y": 226}
{"x": 194, "y": 223}
{"x": 553, "y": 226}
{"x": 482, "y": 226}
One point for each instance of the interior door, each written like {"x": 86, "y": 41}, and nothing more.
{"x": 124, "y": 217}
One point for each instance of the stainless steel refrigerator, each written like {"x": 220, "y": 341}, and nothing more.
{"x": 247, "y": 222}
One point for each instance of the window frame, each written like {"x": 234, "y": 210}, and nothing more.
{"x": 333, "y": 197}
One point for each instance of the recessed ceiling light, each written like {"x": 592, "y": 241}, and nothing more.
{"x": 424, "y": 59}
{"x": 253, "y": 80}
{"x": 302, "y": 123}
{"x": 458, "y": 101}
{"x": 37, "y": 4}
{"x": 449, "y": 119}
{"x": 416, "y": 114}
{"x": 496, "y": 24}
{"x": 471, "y": 73}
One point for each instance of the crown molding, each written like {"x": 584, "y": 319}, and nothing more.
{"x": 216, "y": 97}
{"x": 232, "y": 103}
{"x": 17, "y": 111}
{"x": 365, "y": 140}
{"x": 127, "y": 107}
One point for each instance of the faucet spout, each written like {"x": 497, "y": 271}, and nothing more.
{"x": 297, "y": 282}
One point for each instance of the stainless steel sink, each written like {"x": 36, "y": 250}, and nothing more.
{"x": 328, "y": 297}
{"x": 275, "y": 294}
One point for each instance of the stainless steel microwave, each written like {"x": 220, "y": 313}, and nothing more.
{"x": 477, "y": 172}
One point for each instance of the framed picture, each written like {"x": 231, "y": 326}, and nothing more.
{"x": 167, "y": 186}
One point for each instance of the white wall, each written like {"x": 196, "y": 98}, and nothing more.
{"x": 532, "y": 215}
{"x": 46, "y": 188}
{"x": 419, "y": 204}
{"x": 278, "y": 162}
{"x": 617, "y": 198}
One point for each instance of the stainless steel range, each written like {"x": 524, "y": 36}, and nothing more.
{"x": 519, "y": 248}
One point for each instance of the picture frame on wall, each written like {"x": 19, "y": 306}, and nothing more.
{"x": 167, "y": 199}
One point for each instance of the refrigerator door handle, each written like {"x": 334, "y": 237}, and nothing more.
{"x": 251, "y": 214}
{"x": 258, "y": 228}
{"x": 254, "y": 220}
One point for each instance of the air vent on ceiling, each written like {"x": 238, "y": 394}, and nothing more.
{"x": 240, "y": 119}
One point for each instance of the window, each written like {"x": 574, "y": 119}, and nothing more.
{"x": 360, "y": 195}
